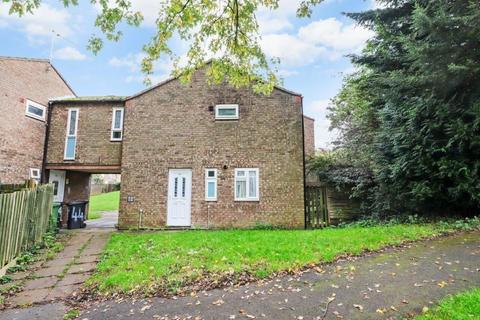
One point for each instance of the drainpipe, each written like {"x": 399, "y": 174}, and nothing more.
{"x": 208, "y": 215}
{"x": 140, "y": 218}
{"x": 45, "y": 142}
{"x": 304, "y": 169}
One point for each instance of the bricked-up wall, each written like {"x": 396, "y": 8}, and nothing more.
{"x": 309, "y": 127}
{"x": 171, "y": 127}
{"x": 21, "y": 137}
{"x": 93, "y": 135}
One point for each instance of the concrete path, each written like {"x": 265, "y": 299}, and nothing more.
{"x": 108, "y": 221}
{"x": 390, "y": 285}
{"x": 62, "y": 276}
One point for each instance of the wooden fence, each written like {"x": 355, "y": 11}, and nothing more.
{"x": 316, "y": 209}
{"x": 25, "y": 216}
{"x": 9, "y": 188}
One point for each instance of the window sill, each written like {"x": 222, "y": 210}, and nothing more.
{"x": 116, "y": 140}
{"x": 35, "y": 117}
{"x": 247, "y": 200}
{"x": 210, "y": 200}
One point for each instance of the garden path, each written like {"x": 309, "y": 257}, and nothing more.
{"x": 60, "y": 277}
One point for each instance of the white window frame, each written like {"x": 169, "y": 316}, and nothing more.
{"x": 113, "y": 125}
{"x": 71, "y": 135}
{"x": 36, "y": 105}
{"x": 226, "y": 106}
{"x": 211, "y": 179}
{"x": 35, "y": 176}
{"x": 246, "y": 178}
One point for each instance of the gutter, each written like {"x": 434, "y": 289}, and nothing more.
{"x": 45, "y": 144}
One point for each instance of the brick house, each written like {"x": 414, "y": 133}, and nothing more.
{"x": 26, "y": 86}
{"x": 194, "y": 155}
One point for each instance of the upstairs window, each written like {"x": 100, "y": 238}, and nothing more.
{"x": 117, "y": 124}
{"x": 211, "y": 184}
{"x": 35, "y": 110}
{"x": 246, "y": 184}
{"x": 71, "y": 138}
{"x": 226, "y": 111}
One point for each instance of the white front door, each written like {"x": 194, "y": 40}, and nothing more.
{"x": 57, "y": 178}
{"x": 179, "y": 197}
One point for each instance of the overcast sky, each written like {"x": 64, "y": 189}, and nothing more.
{"x": 312, "y": 50}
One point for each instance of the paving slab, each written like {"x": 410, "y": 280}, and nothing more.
{"x": 62, "y": 292}
{"x": 82, "y": 268}
{"x": 30, "y": 296}
{"x": 51, "y": 311}
{"x": 92, "y": 251}
{"x": 70, "y": 253}
{"x": 19, "y": 275}
{"x": 76, "y": 278}
{"x": 86, "y": 259}
{"x": 40, "y": 283}
{"x": 58, "y": 262}
{"x": 407, "y": 280}
{"x": 50, "y": 271}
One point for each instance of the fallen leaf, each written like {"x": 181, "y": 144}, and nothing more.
{"x": 358, "y": 306}
{"x": 219, "y": 302}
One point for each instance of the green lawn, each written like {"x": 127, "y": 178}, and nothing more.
{"x": 463, "y": 306}
{"x": 166, "y": 261}
{"x": 103, "y": 202}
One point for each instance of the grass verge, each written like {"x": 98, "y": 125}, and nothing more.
{"x": 168, "y": 262}
{"x": 103, "y": 202}
{"x": 462, "y": 306}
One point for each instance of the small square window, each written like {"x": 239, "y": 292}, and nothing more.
{"x": 116, "y": 135}
{"x": 226, "y": 111}
{"x": 35, "y": 110}
{"x": 35, "y": 173}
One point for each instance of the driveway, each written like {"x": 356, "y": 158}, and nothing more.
{"x": 108, "y": 220}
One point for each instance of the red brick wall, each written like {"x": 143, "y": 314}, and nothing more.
{"x": 309, "y": 129}
{"x": 172, "y": 127}
{"x": 22, "y": 138}
{"x": 93, "y": 134}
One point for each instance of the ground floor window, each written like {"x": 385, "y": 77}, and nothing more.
{"x": 247, "y": 184}
{"x": 211, "y": 184}
{"x": 35, "y": 173}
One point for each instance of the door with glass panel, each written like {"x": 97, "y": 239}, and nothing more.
{"x": 179, "y": 197}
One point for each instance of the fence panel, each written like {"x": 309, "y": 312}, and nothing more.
{"x": 316, "y": 209}
{"x": 24, "y": 219}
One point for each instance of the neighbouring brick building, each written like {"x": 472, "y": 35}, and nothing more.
{"x": 26, "y": 86}
{"x": 194, "y": 155}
